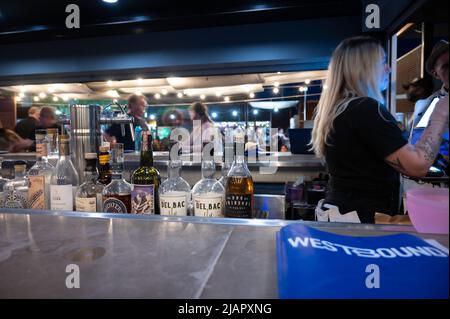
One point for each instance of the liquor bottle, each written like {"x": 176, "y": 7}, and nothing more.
{"x": 117, "y": 194}
{"x": 208, "y": 193}
{"x": 16, "y": 190}
{"x": 89, "y": 194}
{"x": 104, "y": 168}
{"x": 64, "y": 180}
{"x": 239, "y": 186}
{"x": 3, "y": 182}
{"x": 145, "y": 180}
{"x": 174, "y": 192}
{"x": 227, "y": 160}
{"x": 40, "y": 174}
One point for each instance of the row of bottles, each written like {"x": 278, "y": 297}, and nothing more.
{"x": 105, "y": 189}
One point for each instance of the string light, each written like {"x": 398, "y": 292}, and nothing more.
{"x": 172, "y": 116}
{"x": 276, "y": 84}
{"x": 55, "y": 99}
{"x": 36, "y": 99}
{"x": 307, "y": 81}
{"x": 214, "y": 115}
{"x": 227, "y": 99}
{"x": 109, "y": 83}
{"x": 275, "y": 109}
{"x": 164, "y": 91}
{"x": 255, "y": 112}
{"x": 202, "y": 96}
{"x": 234, "y": 113}
{"x": 218, "y": 94}
{"x": 42, "y": 95}
{"x": 157, "y": 96}
{"x": 21, "y": 94}
{"x": 66, "y": 98}
{"x": 18, "y": 99}
{"x": 276, "y": 90}
{"x": 152, "y": 117}
{"x": 325, "y": 87}
{"x": 180, "y": 95}
{"x": 251, "y": 95}
{"x": 51, "y": 89}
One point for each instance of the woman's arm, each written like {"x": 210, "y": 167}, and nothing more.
{"x": 415, "y": 160}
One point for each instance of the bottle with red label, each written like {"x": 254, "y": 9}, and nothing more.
{"x": 117, "y": 194}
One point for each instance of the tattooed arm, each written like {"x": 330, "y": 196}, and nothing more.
{"x": 415, "y": 160}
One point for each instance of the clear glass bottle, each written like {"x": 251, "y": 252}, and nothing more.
{"x": 40, "y": 174}
{"x": 64, "y": 180}
{"x": 3, "y": 182}
{"x": 145, "y": 180}
{"x": 117, "y": 194}
{"x": 16, "y": 190}
{"x": 174, "y": 192}
{"x": 104, "y": 167}
{"x": 89, "y": 194}
{"x": 239, "y": 185}
{"x": 208, "y": 193}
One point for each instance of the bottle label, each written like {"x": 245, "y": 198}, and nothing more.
{"x": 143, "y": 199}
{"x": 175, "y": 205}
{"x": 103, "y": 159}
{"x": 208, "y": 206}
{"x": 114, "y": 205}
{"x": 16, "y": 199}
{"x": 238, "y": 206}
{"x": 41, "y": 150}
{"x": 36, "y": 196}
{"x": 86, "y": 204}
{"x": 61, "y": 197}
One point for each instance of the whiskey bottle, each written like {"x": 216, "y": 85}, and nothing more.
{"x": 117, "y": 194}
{"x": 40, "y": 174}
{"x": 64, "y": 180}
{"x": 239, "y": 185}
{"x": 104, "y": 168}
{"x": 208, "y": 193}
{"x": 89, "y": 194}
{"x": 145, "y": 180}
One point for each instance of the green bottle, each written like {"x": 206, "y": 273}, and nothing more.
{"x": 145, "y": 180}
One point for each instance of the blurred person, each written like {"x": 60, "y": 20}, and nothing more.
{"x": 136, "y": 109}
{"x": 26, "y": 127}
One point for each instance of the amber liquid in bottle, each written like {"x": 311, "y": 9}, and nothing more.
{"x": 104, "y": 168}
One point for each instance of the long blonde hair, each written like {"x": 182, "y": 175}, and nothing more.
{"x": 354, "y": 71}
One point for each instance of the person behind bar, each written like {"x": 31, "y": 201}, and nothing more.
{"x": 359, "y": 139}
{"x": 26, "y": 127}
{"x": 48, "y": 119}
{"x": 136, "y": 109}
{"x": 437, "y": 66}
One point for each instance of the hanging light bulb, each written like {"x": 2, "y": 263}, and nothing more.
{"x": 55, "y": 99}
{"x": 157, "y": 96}
{"x": 180, "y": 95}
{"x": 202, "y": 96}
{"x": 276, "y": 90}
{"x": 109, "y": 83}
{"x": 251, "y": 95}
{"x": 36, "y": 98}
{"x": 42, "y": 95}
{"x": 226, "y": 99}
{"x": 164, "y": 91}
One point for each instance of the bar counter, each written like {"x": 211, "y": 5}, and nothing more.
{"x": 135, "y": 256}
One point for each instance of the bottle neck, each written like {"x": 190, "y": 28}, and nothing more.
{"x": 208, "y": 169}
{"x": 64, "y": 150}
{"x": 240, "y": 153}
{"x": 41, "y": 152}
{"x": 90, "y": 171}
{"x": 174, "y": 168}
{"x": 19, "y": 174}
{"x": 146, "y": 150}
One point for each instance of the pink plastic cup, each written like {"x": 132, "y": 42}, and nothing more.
{"x": 428, "y": 209}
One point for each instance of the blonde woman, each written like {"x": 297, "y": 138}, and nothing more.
{"x": 359, "y": 139}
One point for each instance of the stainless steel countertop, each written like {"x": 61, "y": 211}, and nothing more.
{"x": 135, "y": 256}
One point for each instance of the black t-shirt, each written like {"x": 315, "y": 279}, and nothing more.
{"x": 363, "y": 135}
{"x": 26, "y": 127}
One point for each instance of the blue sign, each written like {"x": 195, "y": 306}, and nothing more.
{"x": 316, "y": 264}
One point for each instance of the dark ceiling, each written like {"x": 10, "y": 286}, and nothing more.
{"x": 34, "y": 20}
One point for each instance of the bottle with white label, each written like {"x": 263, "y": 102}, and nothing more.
{"x": 208, "y": 194}
{"x": 40, "y": 174}
{"x": 64, "y": 180}
{"x": 89, "y": 194}
{"x": 16, "y": 190}
{"x": 117, "y": 194}
{"x": 174, "y": 192}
